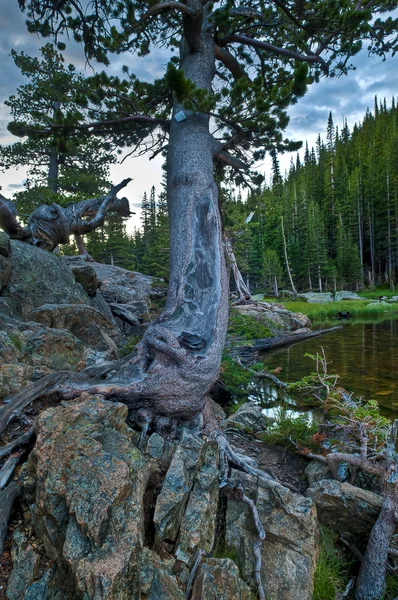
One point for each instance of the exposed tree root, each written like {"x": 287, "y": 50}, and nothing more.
{"x": 20, "y": 441}
{"x": 7, "y": 498}
{"x": 8, "y": 469}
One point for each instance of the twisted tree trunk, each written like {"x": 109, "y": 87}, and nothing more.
{"x": 178, "y": 359}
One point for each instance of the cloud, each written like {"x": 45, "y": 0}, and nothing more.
{"x": 347, "y": 97}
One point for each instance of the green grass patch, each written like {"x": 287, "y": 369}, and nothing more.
{"x": 357, "y": 308}
{"x": 130, "y": 345}
{"x": 332, "y": 571}
{"x": 288, "y": 429}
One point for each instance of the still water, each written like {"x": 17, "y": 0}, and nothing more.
{"x": 365, "y": 355}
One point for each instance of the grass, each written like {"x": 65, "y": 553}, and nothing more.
{"x": 357, "y": 308}
{"x": 332, "y": 571}
{"x": 288, "y": 429}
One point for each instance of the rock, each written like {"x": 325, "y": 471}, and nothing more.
{"x": 250, "y": 416}
{"x": 39, "y": 277}
{"x": 378, "y": 303}
{"x": 177, "y": 485}
{"x": 4, "y": 244}
{"x": 5, "y": 272}
{"x": 317, "y": 471}
{"x": 344, "y": 295}
{"x": 29, "y": 351}
{"x": 218, "y": 579}
{"x": 345, "y": 508}
{"x": 164, "y": 588}
{"x": 273, "y": 314}
{"x": 155, "y": 446}
{"x": 88, "y": 499}
{"x": 122, "y": 286}
{"x": 316, "y": 297}
{"x": 84, "y": 322}
{"x": 393, "y": 299}
{"x": 301, "y": 331}
{"x": 26, "y": 567}
{"x": 46, "y": 588}
{"x": 198, "y": 525}
{"x": 87, "y": 277}
{"x": 290, "y": 549}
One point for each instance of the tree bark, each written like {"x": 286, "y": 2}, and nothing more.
{"x": 371, "y": 580}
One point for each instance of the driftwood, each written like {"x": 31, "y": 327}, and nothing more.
{"x": 51, "y": 225}
{"x": 7, "y": 498}
{"x": 280, "y": 341}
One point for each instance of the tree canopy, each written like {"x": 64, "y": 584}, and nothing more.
{"x": 267, "y": 53}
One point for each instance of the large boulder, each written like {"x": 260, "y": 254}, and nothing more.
{"x": 290, "y": 549}
{"x": 275, "y": 315}
{"x": 84, "y": 322}
{"x": 39, "y": 277}
{"x": 121, "y": 286}
{"x": 316, "y": 297}
{"x": 87, "y": 498}
{"x": 345, "y": 508}
{"x": 345, "y": 295}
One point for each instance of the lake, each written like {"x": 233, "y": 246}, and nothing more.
{"x": 365, "y": 355}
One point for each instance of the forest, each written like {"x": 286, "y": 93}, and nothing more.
{"x": 335, "y": 212}
{"x": 162, "y": 436}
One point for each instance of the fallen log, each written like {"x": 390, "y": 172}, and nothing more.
{"x": 265, "y": 344}
{"x": 7, "y": 498}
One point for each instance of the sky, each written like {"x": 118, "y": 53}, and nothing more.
{"x": 347, "y": 97}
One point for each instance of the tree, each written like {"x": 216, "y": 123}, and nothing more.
{"x": 61, "y": 162}
{"x": 241, "y": 65}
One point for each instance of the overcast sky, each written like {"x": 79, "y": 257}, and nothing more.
{"x": 347, "y": 97}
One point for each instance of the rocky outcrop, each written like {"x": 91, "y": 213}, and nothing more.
{"x": 125, "y": 291}
{"x": 345, "y": 508}
{"x": 170, "y": 506}
{"x": 84, "y": 322}
{"x": 28, "y": 351}
{"x": 290, "y": 548}
{"x": 38, "y": 277}
{"x": 87, "y": 498}
{"x": 85, "y": 491}
{"x": 326, "y": 297}
{"x": 275, "y": 315}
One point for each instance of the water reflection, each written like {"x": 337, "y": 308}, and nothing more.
{"x": 365, "y": 355}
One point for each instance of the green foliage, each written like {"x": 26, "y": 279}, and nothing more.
{"x": 332, "y": 569}
{"x": 129, "y": 347}
{"x": 288, "y": 429}
{"x": 244, "y": 328}
{"x": 235, "y": 379}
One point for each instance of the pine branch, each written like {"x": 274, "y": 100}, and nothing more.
{"x": 248, "y": 41}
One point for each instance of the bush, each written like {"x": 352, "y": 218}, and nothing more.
{"x": 332, "y": 571}
{"x": 289, "y": 429}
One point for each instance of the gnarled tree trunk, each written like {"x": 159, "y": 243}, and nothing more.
{"x": 178, "y": 359}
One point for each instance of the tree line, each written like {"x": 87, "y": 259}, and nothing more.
{"x": 332, "y": 221}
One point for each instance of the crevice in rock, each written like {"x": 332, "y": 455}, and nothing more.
{"x": 151, "y": 494}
